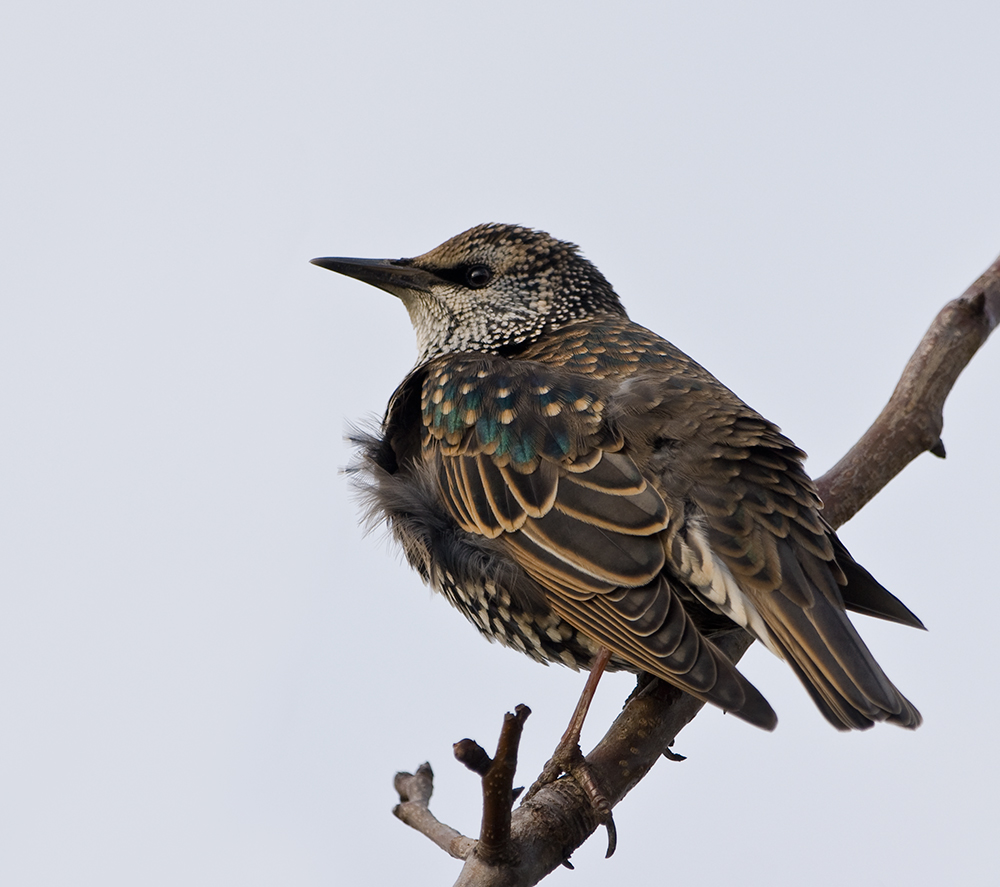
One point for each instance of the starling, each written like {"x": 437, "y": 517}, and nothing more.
{"x": 576, "y": 485}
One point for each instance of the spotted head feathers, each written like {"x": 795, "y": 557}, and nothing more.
{"x": 492, "y": 288}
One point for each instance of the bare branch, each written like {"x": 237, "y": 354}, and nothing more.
{"x": 547, "y": 828}
{"x": 473, "y": 755}
{"x": 912, "y": 420}
{"x": 495, "y": 846}
{"x": 415, "y": 791}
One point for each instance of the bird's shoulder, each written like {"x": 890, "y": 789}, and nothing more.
{"x": 517, "y": 412}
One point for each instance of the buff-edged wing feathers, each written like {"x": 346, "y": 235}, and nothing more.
{"x": 790, "y": 573}
{"x": 534, "y": 488}
{"x": 580, "y": 519}
{"x": 672, "y": 649}
{"x": 633, "y": 509}
{"x": 755, "y": 546}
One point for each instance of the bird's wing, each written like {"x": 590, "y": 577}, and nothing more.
{"x": 865, "y": 594}
{"x": 525, "y": 456}
{"x": 756, "y": 548}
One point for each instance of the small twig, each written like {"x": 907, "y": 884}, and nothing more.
{"x": 415, "y": 791}
{"x": 473, "y": 755}
{"x": 494, "y": 846}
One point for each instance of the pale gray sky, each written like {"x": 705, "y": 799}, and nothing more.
{"x": 207, "y": 675}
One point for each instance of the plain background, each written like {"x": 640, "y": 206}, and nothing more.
{"x": 208, "y": 675}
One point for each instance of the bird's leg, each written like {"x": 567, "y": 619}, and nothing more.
{"x": 571, "y": 738}
{"x": 568, "y": 758}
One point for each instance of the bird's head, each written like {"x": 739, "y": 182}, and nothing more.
{"x": 492, "y": 288}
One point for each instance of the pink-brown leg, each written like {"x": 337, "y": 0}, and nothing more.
{"x": 571, "y": 738}
{"x": 568, "y": 758}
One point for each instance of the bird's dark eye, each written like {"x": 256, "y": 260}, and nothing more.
{"x": 478, "y": 276}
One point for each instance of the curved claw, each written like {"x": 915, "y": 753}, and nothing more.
{"x": 609, "y": 824}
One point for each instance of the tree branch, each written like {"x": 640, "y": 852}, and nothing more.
{"x": 912, "y": 420}
{"x": 414, "y": 794}
{"x": 549, "y": 826}
{"x": 495, "y": 847}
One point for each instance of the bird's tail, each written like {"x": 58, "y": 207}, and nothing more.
{"x": 840, "y": 673}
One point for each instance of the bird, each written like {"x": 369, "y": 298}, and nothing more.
{"x": 583, "y": 491}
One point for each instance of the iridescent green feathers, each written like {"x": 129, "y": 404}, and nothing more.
{"x": 517, "y": 412}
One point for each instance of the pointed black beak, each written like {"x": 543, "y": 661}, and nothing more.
{"x": 391, "y": 275}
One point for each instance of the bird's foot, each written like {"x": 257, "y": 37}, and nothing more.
{"x": 568, "y": 759}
